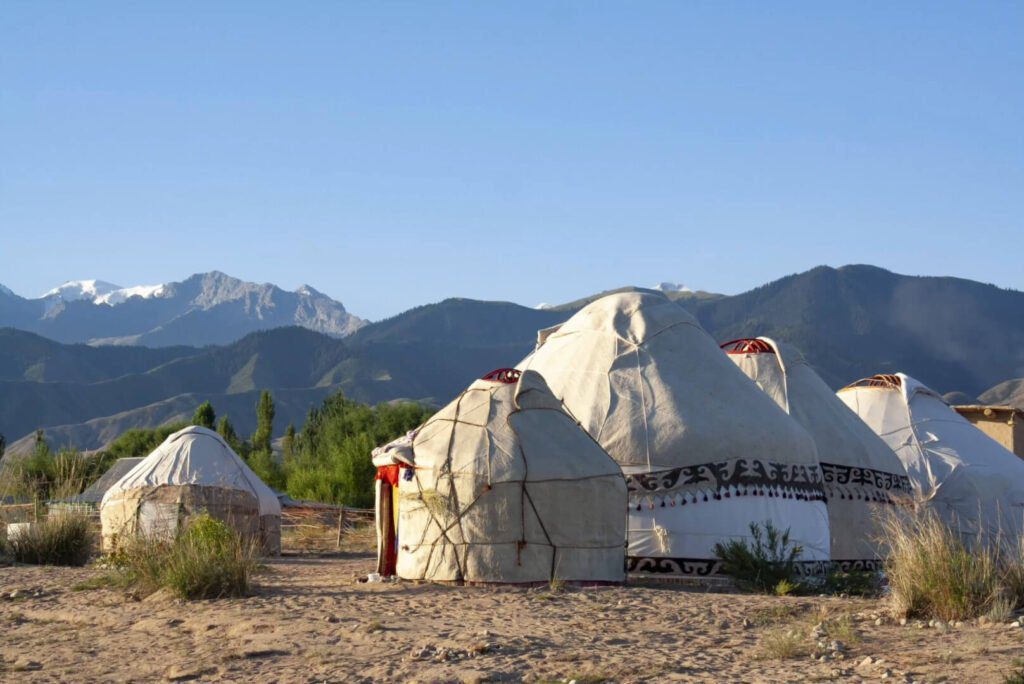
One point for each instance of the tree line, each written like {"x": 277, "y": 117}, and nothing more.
{"x": 327, "y": 461}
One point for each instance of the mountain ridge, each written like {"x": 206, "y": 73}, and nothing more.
{"x": 205, "y": 308}
{"x": 957, "y": 335}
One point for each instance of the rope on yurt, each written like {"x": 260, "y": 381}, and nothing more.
{"x": 454, "y": 493}
{"x": 459, "y": 512}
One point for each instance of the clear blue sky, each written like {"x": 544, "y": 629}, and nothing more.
{"x": 394, "y": 154}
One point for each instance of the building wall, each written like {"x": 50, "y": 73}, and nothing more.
{"x": 997, "y": 427}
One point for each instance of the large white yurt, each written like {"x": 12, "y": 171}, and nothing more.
{"x": 501, "y": 485}
{"x": 704, "y": 451}
{"x": 969, "y": 479}
{"x": 193, "y": 471}
{"x": 862, "y": 475}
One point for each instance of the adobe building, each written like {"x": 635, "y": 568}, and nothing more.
{"x": 1005, "y": 424}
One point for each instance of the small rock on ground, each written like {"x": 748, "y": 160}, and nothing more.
{"x": 26, "y": 665}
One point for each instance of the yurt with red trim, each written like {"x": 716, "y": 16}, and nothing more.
{"x": 393, "y": 462}
{"x": 969, "y": 479}
{"x": 501, "y": 486}
{"x": 704, "y": 451}
{"x": 861, "y": 473}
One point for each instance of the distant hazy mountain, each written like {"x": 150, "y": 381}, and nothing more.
{"x": 1008, "y": 393}
{"x": 432, "y": 352}
{"x": 27, "y": 356}
{"x": 955, "y": 335}
{"x": 291, "y": 406}
{"x": 429, "y": 353}
{"x": 207, "y": 308}
{"x": 850, "y": 322}
{"x": 677, "y": 293}
{"x": 959, "y": 399}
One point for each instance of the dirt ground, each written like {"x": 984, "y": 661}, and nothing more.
{"x": 310, "y": 620}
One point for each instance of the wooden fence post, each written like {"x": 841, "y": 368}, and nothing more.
{"x": 341, "y": 526}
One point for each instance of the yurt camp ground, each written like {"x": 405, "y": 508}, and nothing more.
{"x": 312, "y": 620}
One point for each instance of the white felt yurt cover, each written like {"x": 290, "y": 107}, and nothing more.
{"x": 199, "y": 461}
{"x": 704, "y": 451}
{"x": 969, "y": 479}
{"x": 506, "y": 487}
{"x": 862, "y": 475}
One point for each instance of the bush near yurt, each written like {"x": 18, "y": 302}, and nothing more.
{"x": 207, "y": 560}
{"x": 766, "y": 564}
{"x": 66, "y": 539}
{"x": 331, "y": 459}
{"x": 934, "y": 571}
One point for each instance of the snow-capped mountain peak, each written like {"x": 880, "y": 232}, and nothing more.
{"x": 543, "y": 306}
{"x": 74, "y": 290}
{"x": 309, "y": 291}
{"x": 100, "y": 292}
{"x": 671, "y": 287}
{"x": 125, "y": 293}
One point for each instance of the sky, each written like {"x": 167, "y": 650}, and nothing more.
{"x": 392, "y": 154}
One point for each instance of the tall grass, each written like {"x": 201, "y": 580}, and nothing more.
{"x": 56, "y": 540}
{"x": 45, "y": 474}
{"x": 934, "y": 571}
{"x": 207, "y": 560}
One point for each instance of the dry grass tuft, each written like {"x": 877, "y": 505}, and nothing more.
{"x": 208, "y": 560}
{"x": 57, "y": 540}
{"x": 784, "y": 642}
{"x": 934, "y": 571}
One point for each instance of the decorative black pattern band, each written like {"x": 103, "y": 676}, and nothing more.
{"x": 702, "y": 567}
{"x": 724, "y": 479}
{"x": 862, "y": 565}
{"x": 863, "y": 484}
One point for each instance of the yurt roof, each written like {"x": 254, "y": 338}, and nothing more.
{"x": 508, "y": 449}
{"x": 197, "y": 456}
{"x": 651, "y": 385}
{"x": 950, "y": 459}
{"x": 842, "y": 437}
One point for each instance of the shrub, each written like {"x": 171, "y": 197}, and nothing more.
{"x": 207, "y": 560}
{"x": 934, "y": 571}
{"x": 330, "y": 458}
{"x": 210, "y": 561}
{"x": 764, "y": 565}
{"x": 57, "y": 540}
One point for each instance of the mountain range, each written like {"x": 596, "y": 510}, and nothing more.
{"x": 206, "y": 308}
{"x": 955, "y": 335}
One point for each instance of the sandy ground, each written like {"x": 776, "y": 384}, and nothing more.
{"x": 310, "y": 620}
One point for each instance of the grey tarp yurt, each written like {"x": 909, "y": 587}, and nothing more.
{"x": 193, "y": 471}
{"x": 502, "y": 486}
{"x": 704, "y": 451}
{"x": 967, "y": 478}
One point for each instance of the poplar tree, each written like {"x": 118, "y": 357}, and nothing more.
{"x": 205, "y": 416}
{"x": 264, "y": 422}
{"x": 289, "y": 441}
{"x": 226, "y": 430}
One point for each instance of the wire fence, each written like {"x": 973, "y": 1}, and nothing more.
{"x": 310, "y": 529}
{"x": 324, "y": 529}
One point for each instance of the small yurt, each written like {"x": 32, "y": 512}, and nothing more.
{"x": 194, "y": 471}
{"x": 705, "y": 452}
{"x": 502, "y": 486}
{"x": 862, "y": 475}
{"x": 971, "y": 481}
